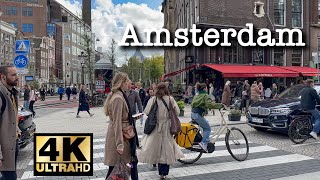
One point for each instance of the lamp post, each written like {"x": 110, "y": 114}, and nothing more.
{"x": 82, "y": 58}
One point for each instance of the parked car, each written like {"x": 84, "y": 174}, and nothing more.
{"x": 276, "y": 114}
{"x": 26, "y": 126}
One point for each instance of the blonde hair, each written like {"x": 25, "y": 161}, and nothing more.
{"x": 117, "y": 82}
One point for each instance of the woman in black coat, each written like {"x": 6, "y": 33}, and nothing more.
{"x": 83, "y": 102}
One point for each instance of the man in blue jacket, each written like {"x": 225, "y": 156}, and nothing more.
{"x": 309, "y": 99}
{"x": 61, "y": 91}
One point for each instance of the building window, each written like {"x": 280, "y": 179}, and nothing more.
{"x": 233, "y": 54}
{"x": 258, "y": 55}
{"x": 296, "y": 13}
{"x": 296, "y": 56}
{"x": 279, "y": 12}
{"x": 14, "y": 24}
{"x": 27, "y": 11}
{"x": 278, "y": 56}
{"x": 258, "y": 9}
{"x": 318, "y": 9}
{"x": 27, "y": 28}
{"x": 8, "y": 10}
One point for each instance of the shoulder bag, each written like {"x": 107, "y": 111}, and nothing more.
{"x": 151, "y": 121}
{"x": 175, "y": 127}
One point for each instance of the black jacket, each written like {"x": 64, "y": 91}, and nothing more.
{"x": 309, "y": 98}
{"x": 142, "y": 95}
{"x": 68, "y": 91}
{"x": 26, "y": 95}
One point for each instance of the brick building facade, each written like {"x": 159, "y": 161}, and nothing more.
{"x": 271, "y": 14}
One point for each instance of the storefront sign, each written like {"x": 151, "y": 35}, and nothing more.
{"x": 263, "y": 75}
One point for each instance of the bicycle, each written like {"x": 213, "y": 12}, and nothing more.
{"x": 195, "y": 152}
{"x": 300, "y": 128}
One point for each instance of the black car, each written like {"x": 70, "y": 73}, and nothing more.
{"x": 276, "y": 114}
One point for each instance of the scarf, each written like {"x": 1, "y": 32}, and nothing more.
{"x": 134, "y": 142}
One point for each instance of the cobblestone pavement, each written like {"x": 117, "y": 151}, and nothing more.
{"x": 272, "y": 155}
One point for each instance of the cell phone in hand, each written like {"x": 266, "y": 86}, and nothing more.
{"x": 137, "y": 115}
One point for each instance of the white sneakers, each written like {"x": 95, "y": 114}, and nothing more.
{"x": 314, "y": 135}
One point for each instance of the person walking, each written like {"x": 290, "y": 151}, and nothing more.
{"x": 74, "y": 92}
{"x": 274, "y": 90}
{"x": 255, "y": 92}
{"x": 226, "y": 95}
{"x": 118, "y": 109}
{"x": 142, "y": 95}
{"x": 160, "y": 147}
{"x": 26, "y": 97}
{"x": 200, "y": 105}
{"x": 146, "y": 100}
{"x": 83, "y": 102}
{"x": 261, "y": 89}
{"x": 68, "y": 92}
{"x": 32, "y": 100}
{"x": 211, "y": 92}
{"x": 42, "y": 93}
{"x": 9, "y": 130}
{"x": 60, "y": 91}
{"x": 134, "y": 101}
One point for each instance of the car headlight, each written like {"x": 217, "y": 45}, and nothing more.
{"x": 281, "y": 111}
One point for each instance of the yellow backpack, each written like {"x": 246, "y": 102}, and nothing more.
{"x": 186, "y": 136}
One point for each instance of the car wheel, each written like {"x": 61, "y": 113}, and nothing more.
{"x": 261, "y": 129}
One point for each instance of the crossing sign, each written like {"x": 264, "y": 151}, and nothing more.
{"x": 21, "y": 61}
{"x": 22, "y": 46}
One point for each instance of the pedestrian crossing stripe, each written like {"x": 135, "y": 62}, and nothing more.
{"x": 22, "y": 47}
{"x": 270, "y": 157}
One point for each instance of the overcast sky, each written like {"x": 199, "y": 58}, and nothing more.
{"x": 110, "y": 18}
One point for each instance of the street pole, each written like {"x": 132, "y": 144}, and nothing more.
{"x": 82, "y": 74}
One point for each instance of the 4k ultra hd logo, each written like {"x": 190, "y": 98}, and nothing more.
{"x": 63, "y": 154}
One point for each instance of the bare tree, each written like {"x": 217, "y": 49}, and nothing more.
{"x": 89, "y": 62}
{"x": 112, "y": 55}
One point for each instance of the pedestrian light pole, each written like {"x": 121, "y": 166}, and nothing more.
{"x": 82, "y": 58}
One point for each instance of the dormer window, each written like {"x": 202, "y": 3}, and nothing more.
{"x": 259, "y": 9}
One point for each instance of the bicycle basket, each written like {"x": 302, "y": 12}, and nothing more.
{"x": 185, "y": 138}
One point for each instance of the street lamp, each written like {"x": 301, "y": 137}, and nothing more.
{"x": 82, "y": 58}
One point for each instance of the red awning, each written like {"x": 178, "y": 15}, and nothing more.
{"x": 305, "y": 71}
{"x": 180, "y": 71}
{"x": 251, "y": 71}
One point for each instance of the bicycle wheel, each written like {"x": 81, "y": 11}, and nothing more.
{"x": 191, "y": 155}
{"x": 299, "y": 129}
{"x": 194, "y": 153}
{"x": 237, "y": 144}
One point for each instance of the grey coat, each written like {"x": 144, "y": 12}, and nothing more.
{"x": 134, "y": 100}
{"x": 8, "y": 129}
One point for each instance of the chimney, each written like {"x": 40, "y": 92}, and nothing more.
{"x": 86, "y": 11}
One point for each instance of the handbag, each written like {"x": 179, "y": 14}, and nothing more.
{"x": 151, "y": 121}
{"x": 175, "y": 127}
{"x": 120, "y": 171}
{"x": 128, "y": 132}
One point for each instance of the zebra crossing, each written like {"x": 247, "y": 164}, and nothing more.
{"x": 264, "y": 162}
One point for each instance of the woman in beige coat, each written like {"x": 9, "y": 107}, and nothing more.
{"x": 255, "y": 92}
{"x": 118, "y": 111}
{"x": 226, "y": 95}
{"x": 159, "y": 147}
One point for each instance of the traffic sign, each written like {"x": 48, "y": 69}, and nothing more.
{"x": 22, "y": 47}
{"x": 21, "y": 61}
{"x": 22, "y": 71}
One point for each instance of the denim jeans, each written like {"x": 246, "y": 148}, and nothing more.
{"x": 316, "y": 120}
{"x": 26, "y": 105}
{"x": 141, "y": 120}
{"x": 163, "y": 169}
{"x": 204, "y": 124}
